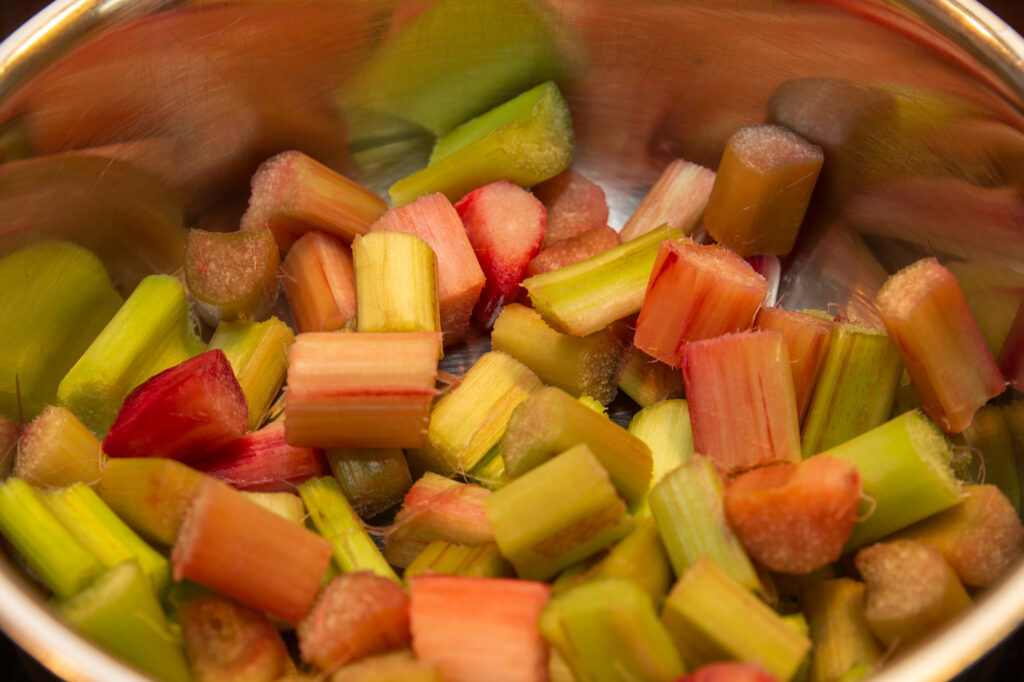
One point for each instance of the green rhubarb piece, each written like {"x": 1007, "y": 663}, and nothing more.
{"x": 607, "y": 631}
{"x": 121, "y": 614}
{"x": 258, "y": 353}
{"x": 689, "y": 509}
{"x": 526, "y": 140}
{"x": 46, "y": 545}
{"x": 665, "y": 428}
{"x": 449, "y": 558}
{"x": 490, "y": 471}
{"x": 373, "y": 480}
{"x": 586, "y": 297}
{"x": 396, "y": 283}
{"x": 578, "y": 365}
{"x": 150, "y": 333}
{"x": 648, "y": 381}
{"x": 855, "y": 389}
{"x": 334, "y": 518}
{"x": 641, "y": 558}
{"x": 471, "y": 418}
{"x": 991, "y": 440}
{"x": 103, "y": 533}
{"x": 799, "y": 623}
{"x": 904, "y": 467}
{"x": 57, "y": 298}
{"x": 563, "y": 511}
{"x": 840, "y": 632}
{"x": 286, "y": 505}
{"x": 711, "y": 617}
{"x": 56, "y": 450}
{"x": 552, "y": 421}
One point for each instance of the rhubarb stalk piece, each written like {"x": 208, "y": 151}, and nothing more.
{"x": 258, "y": 353}
{"x": 151, "y": 494}
{"x": 335, "y": 520}
{"x": 263, "y": 461}
{"x": 911, "y": 590}
{"x": 120, "y": 613}
{"x": 56, "y": 450}
{"x": 437, "y": 508}
{"x": 742, "y": 406}
{"x": 991, "y": 436}
{"x": 573, "y": 250}
{"x": 841, "y": 636}
{"x": 448, "y": 558}
{"x": 807, "y": 336}
{"x": 526, "y": 140}
{"x": 588, "y": 296}
{"x": 46, "y": 545}
{"x": 695, "y": 292}
{"x": 286, "y": 505}
{"x": 10, "y": 431}
{"x": 182, "y": 413}
{"x": 665, "y": 428}
{"x": 607, "y": 630}
{"x": 712, "y": 618}
{"x": 1011, "y": 354}
{"x": 764, "y": 183}
{"x": 855, "y": 390}
{"x": 319, "y": 280}
{"x": 579, "y": 365}
{"x": 101, "y": 532}
{"x": 551, "y": 421}
{"x": 293, "y": 194}
{"x": 226, "y": 640}
{"x": 731, "y": 671}
{"x": 479, "y": 628}
{"x": 247, "y": 553}
{"x": 678, "y": 199}
{"x": 233, "y": 275}
{"x": 557, "y": 514}
{"x": 356, "y": 615}
{"x": 396, "y": 283}
{"x": 57, "y": 298}
{"x": 688, "y": 508}
{"x": 150, "y": 333}
{"x": 471, "y": 418}
{"x": 505, "y": 225}
{"x": 361, "y": 390}
{"x": 904, "y": 470}
{"x": 372, "y": 479}
{"x": 460, "y": 280}
{"x": 397, "y": 666}
{"x": 648, "y": 381}
{"x": 949, "y": 364}
{"x": 574, "y": 205}
{"x": 795, "y": 518}
{"x": 980, "y": 537}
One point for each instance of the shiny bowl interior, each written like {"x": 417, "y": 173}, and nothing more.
{"x": 149, "y": 116}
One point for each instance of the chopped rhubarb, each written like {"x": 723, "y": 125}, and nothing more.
{"x": 764, "y": 183}
{"x": 678, "y": 199}
{"x": 575, "y": 205}
{"x": 807, "y": 338}
{"x": 944, "y": 352}
{"x": 695, "y": 292}
{"x": 292, "y": 194}
{"x": 742, "y": 406}
{"x": 181, "y": 413}
{"x": 233, "y": 275}
{"x": 505, "y": 225}
{"x": 480, "y": 628}
{"x": 795, "y": 518}
{"x": 396, "y": 283}
{"x": 55, "y": 450}
{"x": 357, "y": 615}
{"x": 459, "y": 278}
{"x": 372, "y": 479}
{"x": 319, "y": 281}
{"x": 729, "y": 672}
{"x": 1011, "y": 355}
{"x": 10, "y": 430}
{"x": 263, "y": 461}
{"x": 573, "y": 250}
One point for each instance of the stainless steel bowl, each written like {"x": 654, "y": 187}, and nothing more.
{"x": 180, "y": 100}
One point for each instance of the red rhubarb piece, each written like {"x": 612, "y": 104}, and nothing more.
{"x": 729, "y": 672}
{"x": 505, "y": 224}
{"x": 574, "y": 203}
{"x": 742, "y": 405}
{"x": 357, "y": 615}
{"x": 262, "y": 461}
{"x": 319, "y": 280}
{"x": 807, "y": 340}
{"x": 181, "y": 413}
{"x": 678, "y": 199}
{"x": 795, "y": 518}
{"x": 573, "y": 250}
{"x": 480, "y": 628}
{"x": 695, "y": 292}
{"x": 433, "y": 219}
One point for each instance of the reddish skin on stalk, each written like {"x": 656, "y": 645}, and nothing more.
{"x": 574, "y": 203}
{"x": 728, "y": 672}
{"x": 357, "y": 615}
{"x": 573, "y": 250}
{"x": 795, "y": 518}
{"x": 1011, "y": 356}
{"x": 505, "y": 225}
{"x": 181, "y": 413}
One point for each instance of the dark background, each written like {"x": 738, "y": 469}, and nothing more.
{"x": 1004, "y": 663}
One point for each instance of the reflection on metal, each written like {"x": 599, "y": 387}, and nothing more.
{"x": 176, "y": 103}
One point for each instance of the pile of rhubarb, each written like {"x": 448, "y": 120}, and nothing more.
{"x": 319, "y": 486}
